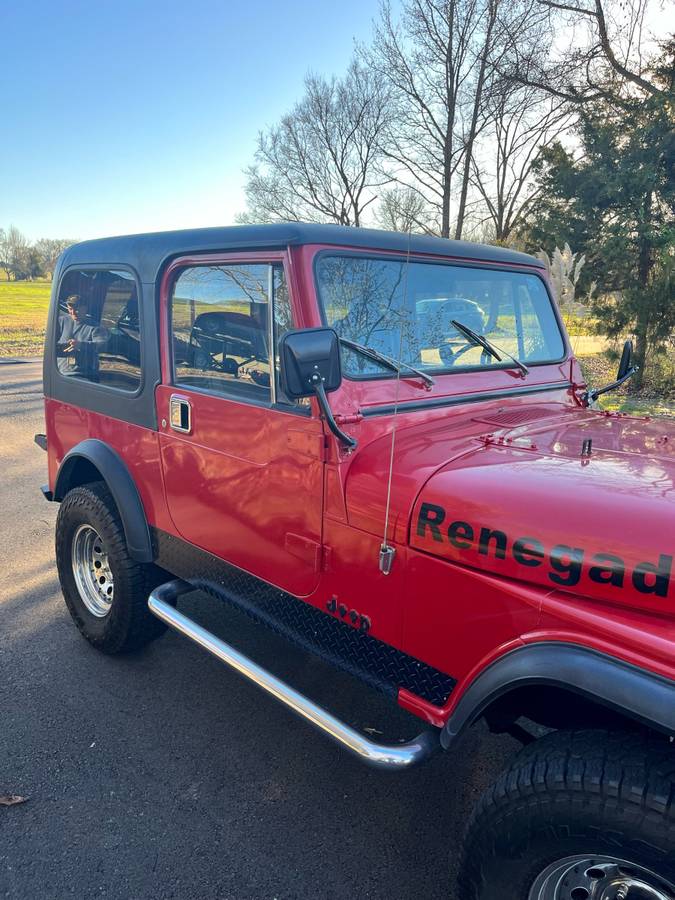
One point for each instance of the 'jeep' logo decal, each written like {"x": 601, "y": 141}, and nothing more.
{"x": 565, "y": 562}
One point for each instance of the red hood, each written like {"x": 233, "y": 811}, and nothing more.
{"x": 510, "y": 493}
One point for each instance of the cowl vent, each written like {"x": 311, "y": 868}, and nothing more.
{"x": 512, "y": 417}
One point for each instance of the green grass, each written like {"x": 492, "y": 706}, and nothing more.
{"x": 23, "y": 317}
{"x": 637, "y": 407}
{"x": 580, "y": 325}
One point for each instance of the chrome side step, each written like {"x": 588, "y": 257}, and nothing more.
{"x": 381, "y": 756}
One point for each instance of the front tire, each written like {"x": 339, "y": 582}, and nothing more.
{"x": 578, "y": 815}
{"x": 106, "y": 591}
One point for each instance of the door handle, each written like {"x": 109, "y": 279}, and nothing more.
{"x": 180, "y": 414}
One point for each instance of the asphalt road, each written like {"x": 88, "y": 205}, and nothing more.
{"x": 164, "y": 775}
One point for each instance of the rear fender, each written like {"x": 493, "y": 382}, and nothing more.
{"x": 121, "y": 485}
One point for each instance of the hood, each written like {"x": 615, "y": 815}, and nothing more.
{"x": 518, "y": 471}
{"x": 583, "y": 502}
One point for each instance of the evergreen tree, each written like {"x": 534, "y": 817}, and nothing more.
{"x": 613, "y": 199}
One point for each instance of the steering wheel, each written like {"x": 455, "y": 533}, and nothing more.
{"x": 449, "y": 356}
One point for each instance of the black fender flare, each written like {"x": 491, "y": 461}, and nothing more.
{"x": 120, "y": 484}
{"x": 641, "y": 695}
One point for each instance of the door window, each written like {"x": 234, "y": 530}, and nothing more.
{"x": 225, "y": 322}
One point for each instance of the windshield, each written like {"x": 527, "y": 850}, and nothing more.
{"x": 405, "y": 310}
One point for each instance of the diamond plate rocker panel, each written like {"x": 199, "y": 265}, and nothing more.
{"x": 382, "y": 666}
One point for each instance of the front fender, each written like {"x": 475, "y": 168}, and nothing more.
{"x": 628, "y": 689}
{"x": 120, "y": 484}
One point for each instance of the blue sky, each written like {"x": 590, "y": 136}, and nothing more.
{"x": 122, "y": 116}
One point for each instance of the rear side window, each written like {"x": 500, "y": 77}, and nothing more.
{"x": 98, "y": 337}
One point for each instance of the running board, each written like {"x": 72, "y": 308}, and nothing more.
{"x": 382, "y": 756}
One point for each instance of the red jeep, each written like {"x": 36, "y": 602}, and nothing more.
{"x": 381, "y": 446}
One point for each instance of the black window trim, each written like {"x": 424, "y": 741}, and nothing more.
{"x": 96, "y": 385}
{"x": 233, "y": 396}
{"x": 465, "y": 264}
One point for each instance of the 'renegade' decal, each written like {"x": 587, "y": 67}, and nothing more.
{"x": 565, "y": 563}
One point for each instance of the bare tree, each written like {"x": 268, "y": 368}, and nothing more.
{"x": 403, "y": 209}
{"x": 424, "y": 60}
{"x": 4, "y": 261}
{"x": 14, "y": 249}
{"x": 318, "y": 163}
{"x": 484, "y": 65}
{"x": 49, "y": 250}
{"x": 604, "y": 62}
{"x": 442, "y": 61}
{"x": 520, "y": 123}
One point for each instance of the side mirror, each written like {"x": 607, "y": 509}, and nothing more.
{"x": 626, "y": 360}
{"x": 310, "y": 365}
{"x": 307, "y": 357}
{"x": 626, "y": 371}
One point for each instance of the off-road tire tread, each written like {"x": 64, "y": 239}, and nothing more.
{"x": 610, "y": 791}
{"x": 130, "y": 625}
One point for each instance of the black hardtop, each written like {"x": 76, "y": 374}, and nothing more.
{"x": 147, "y": 253}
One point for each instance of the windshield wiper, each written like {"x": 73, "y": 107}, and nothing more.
{"x": 387, "y": 361}
{"x": 492, "y": 349}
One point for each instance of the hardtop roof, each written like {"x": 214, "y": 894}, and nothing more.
{"x": 147, "y": 253}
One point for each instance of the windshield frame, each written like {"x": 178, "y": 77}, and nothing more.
{"x": 440, "y": 371}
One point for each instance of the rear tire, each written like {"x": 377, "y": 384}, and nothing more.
{"x": 577, "y": 815}
{"x": 106, "y": 591}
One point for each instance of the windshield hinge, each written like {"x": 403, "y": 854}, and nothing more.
{"x": 353, "y": 419}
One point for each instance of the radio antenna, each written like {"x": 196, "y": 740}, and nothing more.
{"x": 387, "y": 552}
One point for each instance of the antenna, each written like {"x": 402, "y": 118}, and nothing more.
{"x": 387, "y": 552}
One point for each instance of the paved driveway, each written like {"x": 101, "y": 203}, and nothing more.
{"x": 163, "y": 775}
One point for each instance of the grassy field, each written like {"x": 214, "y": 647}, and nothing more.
{"x": 23, "y": 316}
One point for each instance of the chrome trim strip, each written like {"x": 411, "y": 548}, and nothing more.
{"x": 381, "y": 756}
{"x": 459, "y": 399}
